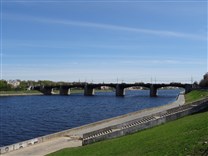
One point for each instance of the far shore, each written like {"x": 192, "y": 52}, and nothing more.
{"x": 33, "y": 92}
{"x": 21, "y": 94}
{"x": 55, "y": 92}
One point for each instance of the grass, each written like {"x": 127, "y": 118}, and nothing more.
{"x": 72, "y": 91}
{"x": 103, "y": 90}
{"x": 19, "y": 92}
{"x": 75, "y": 91}
{"x": 78, "y": 91}
{"x": 196, "y": 95}
{"x": 186, "y": 136}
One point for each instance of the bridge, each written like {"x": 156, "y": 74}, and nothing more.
{"x": 119, "y": 88}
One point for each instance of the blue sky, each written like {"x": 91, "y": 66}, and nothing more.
{"x": 104, "y": 41}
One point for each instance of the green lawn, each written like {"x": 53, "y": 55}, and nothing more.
{"x": 186, "y": 136}
{"x": 103, "y": 90}
{"x": 196, "y": 95}
{"x": 72, "y": 91}
{"x": 19, "y": 92}
{"x": 75, "y": 91}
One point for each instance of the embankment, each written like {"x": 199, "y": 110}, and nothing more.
{"x": 113, "y": 127}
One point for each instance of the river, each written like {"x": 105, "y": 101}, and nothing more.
{"x": 27, "y": 117}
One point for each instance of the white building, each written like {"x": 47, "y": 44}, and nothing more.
{"x": 13, "y": 83}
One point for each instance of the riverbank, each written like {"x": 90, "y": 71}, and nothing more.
{"x": 20, "y": 93}
{"x": 35, "y": 92}
{"x": 69, "y": 137}
{"x": 186, "y": 136}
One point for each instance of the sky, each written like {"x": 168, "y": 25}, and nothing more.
{"x": 104, "y": 41}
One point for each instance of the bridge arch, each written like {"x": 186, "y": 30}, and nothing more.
{"x": 173, "y": 90}
{"x": 187, "y": 87}
{"x": 66, "y": 90}
{"x": 120, "y": 88}
{"x": 90, "y": 88}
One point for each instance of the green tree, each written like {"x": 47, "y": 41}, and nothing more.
{"x": 23, "y": 85}
{"x": 4, "y": 86}
{"x": 204, "y": 81}
{"x": 46, "y": 82}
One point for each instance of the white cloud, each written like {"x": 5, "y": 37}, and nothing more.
{"x": 124, "y": 28}
{"x": 164, "y": 61}
{"x": 107, "y": 27}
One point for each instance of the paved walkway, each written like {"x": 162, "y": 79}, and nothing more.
{"x": 64, "y": 142}
{"x": 44, "y": 148}
{"x": 128, "y": 117}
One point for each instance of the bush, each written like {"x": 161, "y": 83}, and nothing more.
{"x": 4, "y": 86}
{"x": 204, "y": 81}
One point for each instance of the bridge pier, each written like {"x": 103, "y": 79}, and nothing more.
{"x": 88, "y": 90}
{"x": 64, "y": 90}
{"x": 153, "y": 91}
{"x": 46, "y": 90}
{"x": 120, "y": 90}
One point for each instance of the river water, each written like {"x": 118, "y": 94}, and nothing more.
{"x": 27, "y": 117}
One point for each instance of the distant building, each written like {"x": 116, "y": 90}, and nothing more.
{"x": 135, "y": 88}
{"x": 13, "y": 83}
{"x": 105, "y": 87}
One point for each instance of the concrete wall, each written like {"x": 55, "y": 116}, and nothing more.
{"x": 19, "y": 145}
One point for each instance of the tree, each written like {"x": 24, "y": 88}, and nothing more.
{"x": 4, "y": 86}
{"x": 23, "y": 85}
{"x": 204, "y": 81}
{"x": 46, "y": 82}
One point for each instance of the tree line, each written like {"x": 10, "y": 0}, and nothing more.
{"x": 204, "y": 82}
{"x": 23, "y": 85}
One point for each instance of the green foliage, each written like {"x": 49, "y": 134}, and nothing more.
{"x": 4, "y": 86}
{"x": 23, "y": 85}
{"x": 204, "y": 81}
{"x": 46, "y": 82}
{"x": 15, "y": 92}
{"x": 186, "y": 136}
